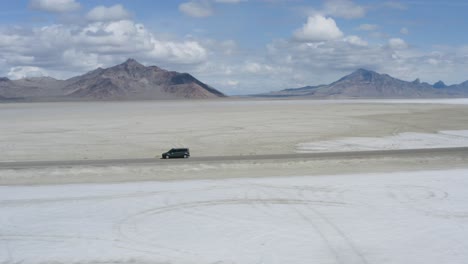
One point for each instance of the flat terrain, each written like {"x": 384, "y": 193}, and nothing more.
{"x": 223, "y": 167}
{"x": 268, "y": 182}
{"x": 418, "y": 217}
{"x": 145, "y": 129}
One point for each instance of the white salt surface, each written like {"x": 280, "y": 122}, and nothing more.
{"x": 457, "y": 101}
{"x": 408, "y": 140}
{"x": 143, "y": 129}
{"x": 417, "y": 217}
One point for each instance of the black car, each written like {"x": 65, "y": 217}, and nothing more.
{"x": 176, "y": 153}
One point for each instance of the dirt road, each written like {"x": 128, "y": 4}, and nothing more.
{"x": 427, "y": 152}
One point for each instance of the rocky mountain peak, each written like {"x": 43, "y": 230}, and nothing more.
{"x": 39, "y": 79}
{"x": 133, "y": 80}
{"x": 129, "y": 80}
{"x": 364, "y": 83}
{"x": 439, "y": 85}
{"x": 132, "y": 62}
{"x": 361, "y": 75}
{"x": 130, "y": 67}
{"x": 362, "y": 71}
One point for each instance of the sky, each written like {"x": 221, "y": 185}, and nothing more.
{"x": 238, "y": 46}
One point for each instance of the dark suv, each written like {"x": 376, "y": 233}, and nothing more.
{"x": 176, "y": 153}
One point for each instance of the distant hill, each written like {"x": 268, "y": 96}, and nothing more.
{"x": 369, "y": 84}
{"x": 127, "y": 81}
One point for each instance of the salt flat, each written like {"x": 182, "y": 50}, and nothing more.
{"x": 407, "y": 140}
{"x": 405, "y": 217}
{"x": 143, "y": 129}
{"x": 374, "y": 210}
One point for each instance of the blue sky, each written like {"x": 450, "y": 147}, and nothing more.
{"x": 238, "y": 46}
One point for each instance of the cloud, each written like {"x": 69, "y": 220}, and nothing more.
{"x": 187, "y": 52}
{"x": 197, "y": 9}
{"x": 356, "y": 41}
{"x": 344, "y": 9}
{"x": 324, "y": 62}
{"x": 112, "y": 13}
{"x": 379, "y": 35}
{"x": 318, "y": 52}
{"x": 65, "y": 50}
{"x": 128, "y": 37}
{"x": 368, "y": 27}
{"x": 25, "y": 71}
{"x": 54, "y": 6}
{"x": 254, "y": 67}
{"x": 404, "y": 31}
{"x": 433, "y": 61}
{"x": 326, "y": 58}
{"x": 397, "y": 43}
{"x": 318, "y": 28}
{"x": 231, "y": 83}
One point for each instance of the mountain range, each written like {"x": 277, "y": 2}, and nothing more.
{"x": 364, "y": 83}
{"x": 134, "y": 81}
{"x": 127, "y": 81}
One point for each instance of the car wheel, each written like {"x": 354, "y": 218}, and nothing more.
{"x": 185, "y": 156}
{"x": 166, "y": 157}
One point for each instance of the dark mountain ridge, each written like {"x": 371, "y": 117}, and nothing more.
{"x": 364, "y": 83}
{"x": 127, "y": 81}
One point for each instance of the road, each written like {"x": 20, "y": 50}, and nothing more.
{"x": 458, "y": 152}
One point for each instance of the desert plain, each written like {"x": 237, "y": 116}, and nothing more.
{"x": 292, "y": 209}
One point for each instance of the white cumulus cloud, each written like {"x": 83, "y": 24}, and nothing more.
{"x": 196, "y": 9}
{"x": 397, "y": 43}
{"x": 178, "y": 52}
{"x": 112, "y": 13}
{"x": 356, "y": 41}
{"x": 66, "y": 50}
{"x": 54, "y": 6}
{"x": 318, "y": 28}
{"x": 25, "y": 71}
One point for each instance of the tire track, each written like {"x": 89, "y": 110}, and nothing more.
{"x": 127, "y": 228}
{"x": 416, "y": 197}
{"x": 339, "y": 244}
